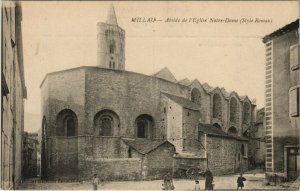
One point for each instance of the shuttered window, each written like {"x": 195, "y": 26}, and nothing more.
{"x": 294, "y": 53}
{"x": 294, "y": 101}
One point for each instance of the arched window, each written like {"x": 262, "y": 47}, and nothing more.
{"x": 196, "y": 96}
{"x": 144, "y": 126}
{"x": 217, "y": 125}
{"x": 217, "y": 106}
{"x": 234, "y": 110}
{"x": 106, "y": 123}
{"x": 232, "y": 131}
{"x": 246, "y": 113}
{"x": 66, "y": 123}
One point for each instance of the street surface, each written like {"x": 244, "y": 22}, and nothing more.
{"x": 254, "y": 181}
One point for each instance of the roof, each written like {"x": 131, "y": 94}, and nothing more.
{"x": 186, "y": 103}
{"x": 185, "y": 82}
{"x": 207, "y": 87}
{"x": 215, "y": 131}
{"x": 143, "y": 146}
{"x": 211, "y": 130}
{"x": 166, "y": 74}
{"x": 111, "y": 17}
{"x": 287, "y": 28}
{"x": 225, "y": 93}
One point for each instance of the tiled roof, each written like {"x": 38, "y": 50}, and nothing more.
{"x": 186, "y": 103}
{"x": 287, "y": 28}
{"x": 143, "y": 146}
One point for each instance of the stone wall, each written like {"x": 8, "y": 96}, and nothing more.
{"x": 222, "y": 154}
{"x": 159, "y": 162}
{"x": 113, "y": 169}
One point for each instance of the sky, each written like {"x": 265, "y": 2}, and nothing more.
{"x": 63, "y": 35}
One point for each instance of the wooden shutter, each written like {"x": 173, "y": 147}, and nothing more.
{"x": 294, "y": 101}
{"x": 294, "y": 53}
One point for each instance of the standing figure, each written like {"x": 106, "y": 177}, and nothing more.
{"x": 168, "y": 182}
{"x": 96, "y": 181}
{"x": 208, "y": 180}
{"x": 240, "y": 181}
{"x": 197, "y": 186}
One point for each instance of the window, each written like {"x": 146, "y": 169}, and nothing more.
{"x": 217, "y": 106}
{"x": 144, "y": 126}
{"x": 129, "y": 153}
{"x": 106, "y": 123}
{"x": 141, "y": 131}
{"x": 106, "y": 126}
{"x": 112, "y": 48}
{"x": 110, "y": 64}
{"x": 294, "y": 52}
{"x": 196, "y": 96}
{"x": 66, "y": 123}
{"x": 246, "y": 117}
{"x": 232, "y": 131}
{"x": 294, "y": 101}
{"x": 234, "y": 110}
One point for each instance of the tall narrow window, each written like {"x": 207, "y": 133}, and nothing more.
{"x": 217, "y": 106}
{"x": 112, "y": 49}
{"x": 70, "y": 127}
{"x": 106, "y": 126}
{"x": 246, "y": 113}
{"x": 144, "y": 126}
{"x": 141, "y": 129}
{"x": 294, "y": 101}
{"x": 294, "y": 54}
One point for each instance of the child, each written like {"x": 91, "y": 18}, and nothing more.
{"x": 197, "y": 186}
{"x": 240, "y": 182}
{"x": 163, "y": 187}
{"x": 95, "y": 182}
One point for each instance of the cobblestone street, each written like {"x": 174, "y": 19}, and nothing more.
{"x": 254, "y": 181}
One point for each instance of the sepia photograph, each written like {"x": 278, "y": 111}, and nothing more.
{"x": 150, "y": 95}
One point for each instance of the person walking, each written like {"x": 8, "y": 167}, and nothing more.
{"x": 208, "y": 180}
{"x": 168, "y": 182}
{"x": 96, "y": 181}
{"x": 240, "y": 181}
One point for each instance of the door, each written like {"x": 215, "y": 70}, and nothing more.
{"x": 293, "y": 164}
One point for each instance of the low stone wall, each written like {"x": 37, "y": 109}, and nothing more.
{"x": 113, "y": 169}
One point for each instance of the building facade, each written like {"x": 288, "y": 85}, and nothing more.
{"x": 282, "y": 103}
{"x": 13, "y": 95}
{"x": 257, "y": 142}
{"x": 30, "y": 155}
{"x": 131, "y": 126}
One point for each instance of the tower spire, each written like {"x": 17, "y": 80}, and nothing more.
{"x": 111, "y": 17}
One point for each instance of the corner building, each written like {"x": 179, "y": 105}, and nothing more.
{"x": 282, "y": 103}
{"x": 129, "y": 126}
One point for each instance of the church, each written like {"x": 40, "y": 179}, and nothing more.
{"x": 124, "y": 125}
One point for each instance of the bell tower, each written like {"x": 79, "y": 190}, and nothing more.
{"x": 111, "y": 43}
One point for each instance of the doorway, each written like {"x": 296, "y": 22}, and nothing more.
{"x": 293, "y": 163}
